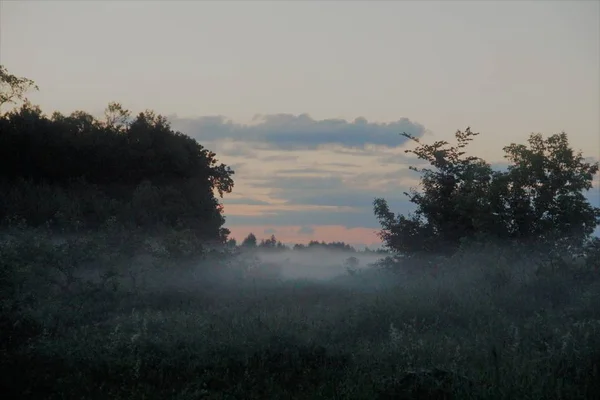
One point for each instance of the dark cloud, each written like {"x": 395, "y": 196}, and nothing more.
{"x": 288, "y": 132}
{"x": 270, "y": 231}
{"x": 306, "y": 230}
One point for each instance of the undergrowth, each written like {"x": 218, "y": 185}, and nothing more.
{"x": 114, "y": 315}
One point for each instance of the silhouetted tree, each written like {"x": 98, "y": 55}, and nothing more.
{"x": 13, "y": 88}
{"x": 250, "y": 241}
{"x": 272, "y": 244}
{"x": 315, "y": 244}
{"x": 538, "y": 199}
{"x": 138, "y": 170}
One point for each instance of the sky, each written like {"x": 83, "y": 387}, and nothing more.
{"x": 306, "y": 100}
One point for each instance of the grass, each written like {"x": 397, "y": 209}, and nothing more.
{"x": 484, "y": 328}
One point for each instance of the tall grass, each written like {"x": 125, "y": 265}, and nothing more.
{"x": 109, "y": 316}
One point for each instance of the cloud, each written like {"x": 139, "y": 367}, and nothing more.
{"x": 361, "y": 218}
{"x": 321, "y": 196}
{"x": 351, "y": 191}
{"x": 358, "y": 217}
{"x": 306, "y": 230}
{"x": 227, "y": 147}
{"x": 300, "y": 192}
{"x": 243, "y": 200}
{"x": 287, "y": 131}
{"x": 286, "y": 158}
{"x": 301, "y": 183}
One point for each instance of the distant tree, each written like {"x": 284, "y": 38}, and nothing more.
{"x": 250, "y": 242}
{"x": 539, "y": 198}
{"x": 272, "y": 244}
{"x": 334, "y": 246}
{"x": 116, "y": 117}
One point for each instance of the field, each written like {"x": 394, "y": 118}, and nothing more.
{"x": 94, "y": 319}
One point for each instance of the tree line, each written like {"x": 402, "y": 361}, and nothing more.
{"x": 78, "y": 171}
{"x": 136, "y": 169}
{"x": 251, "y": 242}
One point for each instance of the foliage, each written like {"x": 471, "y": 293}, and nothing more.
{"x": 13, "y": 88}
{"x": 110, "y": 286}
{"x": 538, "y": 199}
{"x": 464, "y": 336}
{"x": 272, "y": 244}
{"x": 136, "y": 169}
{"x": 250, "y": 241}
{"x": 334, "y": 246}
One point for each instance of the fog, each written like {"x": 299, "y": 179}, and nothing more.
{"x": 317, "y": 264}
{"x": 244, "y": 319}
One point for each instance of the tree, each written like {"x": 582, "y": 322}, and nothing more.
{"x": 13, "y": 88}
{"x": 543, "y": 190}
{"x": 231, "y": 243}
{"x": 250, "y": 241}
{"x": 116, "y": 117}
{"x": 272, "y": 244}
{"x": 539, "y": 198}
{"x": 137, "y": 169}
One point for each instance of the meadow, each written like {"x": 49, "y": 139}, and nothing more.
{"x": 116, "y": 315}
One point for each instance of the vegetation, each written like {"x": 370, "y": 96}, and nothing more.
{"x": 118, "y": 280}
{"x": 251, "y": 242}
{"x": 137, "y": 170}
{"x": 538, "y": 200}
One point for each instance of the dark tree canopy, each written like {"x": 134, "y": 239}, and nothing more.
{"x": 539, "y": 198}
{"x": 157, "y": 175}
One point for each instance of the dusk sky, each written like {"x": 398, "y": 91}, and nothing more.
{"x": 306, "y": 100}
